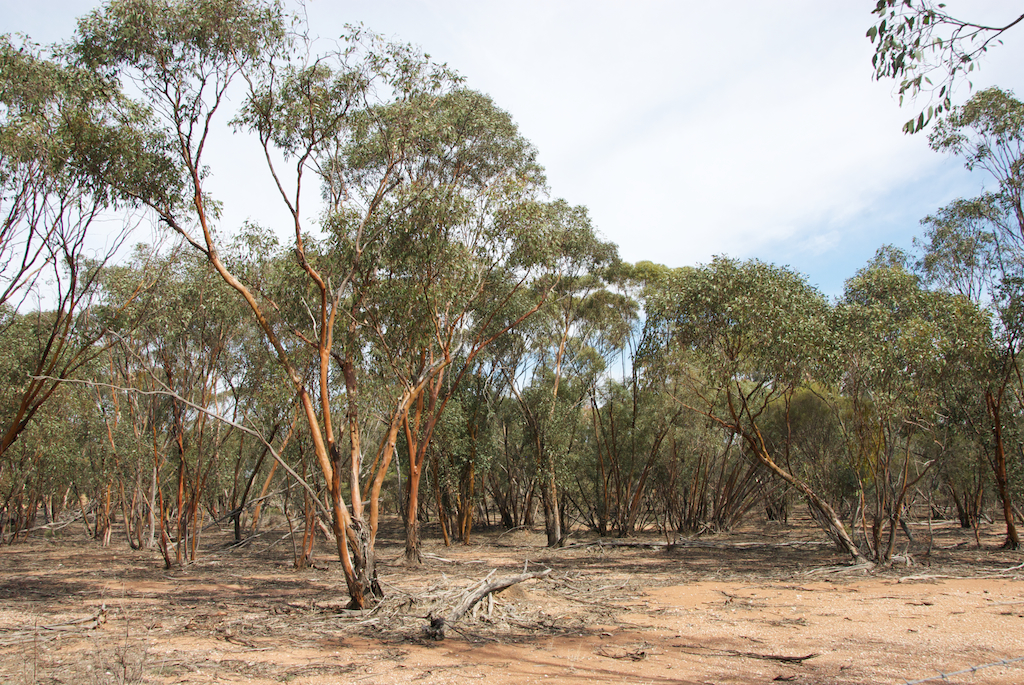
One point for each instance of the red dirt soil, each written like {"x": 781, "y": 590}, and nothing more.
{"x": 757, "y": 606}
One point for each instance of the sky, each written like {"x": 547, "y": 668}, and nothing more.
{"x": 688, "y": 129}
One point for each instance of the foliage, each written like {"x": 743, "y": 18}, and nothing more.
{"x": 917, "y": 39}
{"x": 901, "y": 349}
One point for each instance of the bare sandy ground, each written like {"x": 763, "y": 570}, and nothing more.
{"x": 750, "y": 607}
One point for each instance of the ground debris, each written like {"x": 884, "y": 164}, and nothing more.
{"x": 638, "y": 654}
{"x": 435, "y": 630}
{"x": 783, "y": 659}
{"x": 713, "y": 608}
{"x": 24, "y": 634}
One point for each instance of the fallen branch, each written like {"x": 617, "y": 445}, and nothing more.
{"x": 904, "y": 579}
{"x": 867, "y": 566}
{"x": 510, "y": 530}
{"x": 88, "y": 623}
{"x": 749, "y": 545}
{"x": 437, "y": 558}
{"x": 435, "y": 631}
{"x": 654, "y": 544}
{"x": 54, "y": 525}
{"x": 781, "y": 658}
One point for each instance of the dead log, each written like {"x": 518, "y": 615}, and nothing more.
{"x": 781, "y": 658}
{"x": 435, "y": 631}
{"x": 653, "y": 544}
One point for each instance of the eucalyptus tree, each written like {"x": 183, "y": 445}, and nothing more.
{"x": 987, "y": 132}
{"x": 962, "y": 253}
{"x": 187, "y": 343}
{"x": 182, "y": 58}
{"x": 375, "y": 125}
{"x": 704, "y": 481}
{"x": 744, "y": 336}
{"x": 976, "y": 247}
{"x": 630, "y": 418}
{"x": 51, "y": 467}
{"x": 701, "y": 477}
{"x": 808, "y": 433}
{"x": 960, "y": 250}
{"x": 465, "y": 250}
{"x": 511, "y": 479}
{"x": 565, "y": 349}
{"x": 258, "y": 387}
{"x": 63, "y": 461}
{"x": 63, "y": 136}
{"x": 898, "y": 344}
{"x": 444, "y": 262}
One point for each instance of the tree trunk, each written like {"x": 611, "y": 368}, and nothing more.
{"x": 467, "y": 494}
{"x": 826, "y": 516}
{"x": 418, "y": 443}
{"x": 412, "y": 522}
{"x": 999, "y": 467}
{"x": 443, "y": 502}
{"x": 353, "y": 573}
{"x": 549, "y": 497}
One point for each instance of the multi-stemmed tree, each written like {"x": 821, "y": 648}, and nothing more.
{"x": 745, "y": 336}
{"x": 433, "y": 233}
